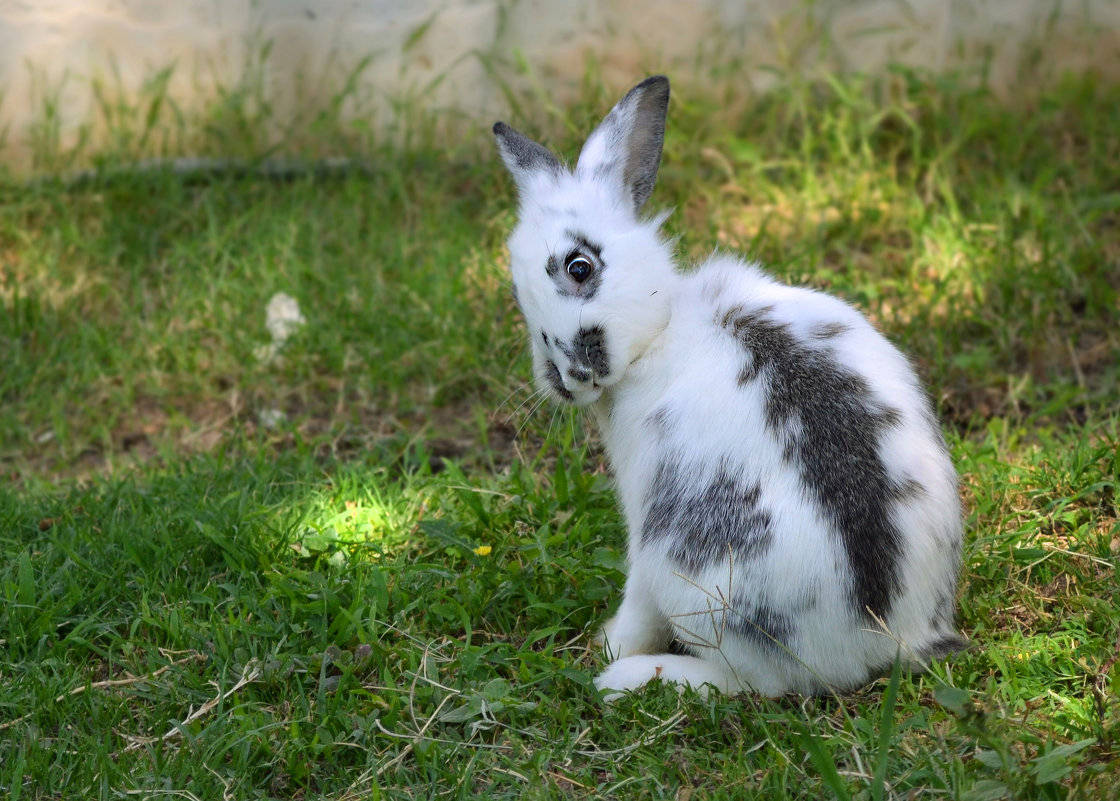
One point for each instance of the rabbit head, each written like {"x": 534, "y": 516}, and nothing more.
{"x": 591, "y": 277}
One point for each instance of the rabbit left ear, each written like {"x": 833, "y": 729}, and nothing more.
{"x": 625, "y": 149}
{"x": 525, "y": 159}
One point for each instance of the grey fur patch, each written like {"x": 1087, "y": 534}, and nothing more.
{"x": 522, "y": 155}
{"x": 908, "y": 490}
{"x": 829, "y": 330}
{"x": 659, "y": 422}
{"x": 590, "y": 349}
{"x": 762, "y": 625}
{"x": 607, "y": 168}
{"x": 708, "y": 522}
{"x": 830, "y": 425}
{"x": 943, "y": 646}
{"x": 585, "y": 245}
{"x": 552, "y": 373}
{"x": 944, "y": 612}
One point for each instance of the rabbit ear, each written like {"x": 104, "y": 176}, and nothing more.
{"x": 525, "y": 159}
{"x": 626, "y": 147}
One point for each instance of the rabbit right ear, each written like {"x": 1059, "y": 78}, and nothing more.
{"x": 525, "y": 159}
{"x": 625, "y": 150}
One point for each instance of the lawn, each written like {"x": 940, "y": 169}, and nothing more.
{"x": 368, "y": 563}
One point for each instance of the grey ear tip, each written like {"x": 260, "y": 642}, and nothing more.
{"x": 659, "y": 82}
{"x": 499, "y": 128}
{"x": 653, "y": 90}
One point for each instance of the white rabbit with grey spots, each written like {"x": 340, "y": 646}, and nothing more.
{"x": 794, "y": 524}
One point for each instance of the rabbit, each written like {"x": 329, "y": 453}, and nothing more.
{"x": 794, "y": 525}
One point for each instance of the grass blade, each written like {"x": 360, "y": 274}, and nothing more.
{"x": 886, "y": 732}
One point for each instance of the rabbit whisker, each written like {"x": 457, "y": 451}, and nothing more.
{"x": 525, "y": 387}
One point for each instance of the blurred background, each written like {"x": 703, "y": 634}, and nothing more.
{"x": 70, "y": 68}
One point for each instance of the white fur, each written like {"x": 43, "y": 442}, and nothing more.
{"x": 668, "y": 351}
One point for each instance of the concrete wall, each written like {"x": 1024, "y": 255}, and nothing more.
{"x": 445, "y": 54}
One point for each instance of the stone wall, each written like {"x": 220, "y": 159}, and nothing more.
{"x": 66, "y": 64}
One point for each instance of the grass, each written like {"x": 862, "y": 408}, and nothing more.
{"x": 371, "y": 567}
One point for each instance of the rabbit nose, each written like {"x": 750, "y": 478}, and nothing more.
{"x": 580, "y": 372}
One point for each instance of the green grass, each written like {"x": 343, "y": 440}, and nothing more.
{"x": 389, "y": 590}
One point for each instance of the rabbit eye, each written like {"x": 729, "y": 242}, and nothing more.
{"x": 579, "y": 268}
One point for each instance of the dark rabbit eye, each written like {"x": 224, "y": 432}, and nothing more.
{"x": 579, "y": 268}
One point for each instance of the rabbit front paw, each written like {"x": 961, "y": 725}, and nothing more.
{"x": 635, "y": 629}
{"x": 631, "y": 673}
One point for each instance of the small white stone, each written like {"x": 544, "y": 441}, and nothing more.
{"x": 283, "y": 317}
{"x": 270, "y": 418}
